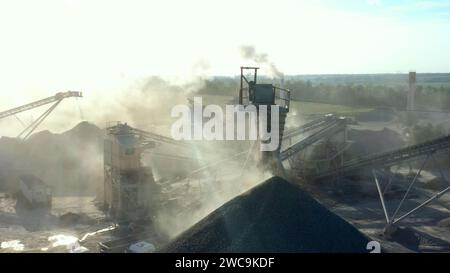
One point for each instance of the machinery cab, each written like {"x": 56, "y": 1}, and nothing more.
{"x": 262, "y": 94}
{"x": 258, "y": 94}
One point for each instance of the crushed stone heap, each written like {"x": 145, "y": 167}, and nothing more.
{"x": 275, "y": 216}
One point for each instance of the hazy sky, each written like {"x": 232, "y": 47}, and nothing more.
{"x": 55, "y": 45}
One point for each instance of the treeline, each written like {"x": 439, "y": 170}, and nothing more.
{"x": 427, "y": 96}
{"x": 347, "y": 94}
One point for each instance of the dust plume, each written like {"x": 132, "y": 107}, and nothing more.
{"x": 72, "y": 161}
{"x": 145, "y": 104}
{"x": 201, "y": 193}
{"x": 249, "y": 52}
{"x": 69, "y": 155}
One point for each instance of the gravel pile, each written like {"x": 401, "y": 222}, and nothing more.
{"x": 275, "y": 216}
{"x": 368, "y": 142}
{"x": 379, "y": 114}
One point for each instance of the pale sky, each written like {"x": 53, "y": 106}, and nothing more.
{"x": 74, "y": 41}
{"x": 48, "y": 46}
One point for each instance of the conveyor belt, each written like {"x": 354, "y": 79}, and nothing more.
{"x": 307, "y": 127}
{"x": 331, "y": 126}
{"x": 58, "y": 97}
{"x": 391, "y": 158}
{"x": 147, "y": 139}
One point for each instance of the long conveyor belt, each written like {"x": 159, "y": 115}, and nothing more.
{"x": 390, "y": 158}
{"x": 307, "y": 127}
{"x": 331, "y": 126}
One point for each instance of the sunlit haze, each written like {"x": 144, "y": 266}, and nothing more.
{"x": 105, "y": 46}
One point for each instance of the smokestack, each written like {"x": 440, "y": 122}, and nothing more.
{"x": 412, "y": 91}
{"x": 410, "y": 104}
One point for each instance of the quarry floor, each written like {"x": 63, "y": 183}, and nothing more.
{"x": 38, "y": 230}
{"x": 366, "y": 214}
{"x": 369, "y": 219}
{"x": 22, "y": 230}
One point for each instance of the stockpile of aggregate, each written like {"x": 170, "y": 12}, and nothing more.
{"x": 275, "y": 216}
{"x": 379, "y": 114}
{"x": 418, "y": 241}
{"x": 368, "y": 141}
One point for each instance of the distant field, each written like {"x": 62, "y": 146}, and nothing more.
{"x": 303, "y": 108}
{"x": 309, "y": 108}
{"x": 430, "y": 79}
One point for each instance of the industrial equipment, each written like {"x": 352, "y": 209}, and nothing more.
{"x": 56, "y": 99}
{"x": 426, "y": 151}
{"x": 130, "y": 192}
{"x": 253, "y": 93}
{"x": 390, "y": 158}
{"x": 316, "y": 146}
{"x": 330, "y": 126}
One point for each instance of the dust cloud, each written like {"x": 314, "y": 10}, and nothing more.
{"x": 249, "y": 52}
{"x": 71, "y": 161}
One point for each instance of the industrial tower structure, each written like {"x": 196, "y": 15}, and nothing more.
{"x": 253, "y": 93}
{"x": 130, "y": 191}
{"x": 126, "y": 191}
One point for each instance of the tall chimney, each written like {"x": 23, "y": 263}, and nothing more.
{"x": 412, "y": 91}
{"x": 410, "y": 104}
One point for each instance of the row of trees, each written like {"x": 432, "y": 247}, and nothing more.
{"x": 427, "y": 96}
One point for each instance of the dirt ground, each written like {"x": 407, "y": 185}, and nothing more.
{"x": 38, "y": 230}
{"x": 422, "y": 231}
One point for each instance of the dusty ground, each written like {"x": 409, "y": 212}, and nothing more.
{"x": 369, "y": 218}
{"x": 364, "y": 211}
{"x": 38, "y": 230}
